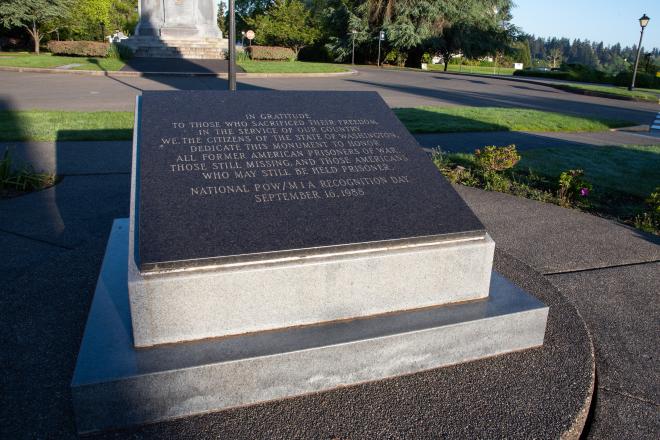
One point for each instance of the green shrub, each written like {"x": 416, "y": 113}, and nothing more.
{"x": 397, "y": 57}
{"x": 242, "y": 55}
{"x": 551, "y": 74}
{"x": 573, "y": 187}
{"x": 572, "y": 72}
{"x": 494, "y": 158}
{"x": 271, "y": 53}
{"x": 643, "y": 79}
{"x": 582, "y": 73}
{"x": 649, "y": 220}
{"x": 317, "y": 52}
{"x": 79, "y": 48}
{"x": 120, "y": 52}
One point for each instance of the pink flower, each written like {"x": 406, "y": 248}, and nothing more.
{"x": 584, "y": 192}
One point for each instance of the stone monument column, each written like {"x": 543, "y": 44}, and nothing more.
{"x": 178, "y": 19}
{"x": 178, "y": 29}
{"x": 151, "y": 18}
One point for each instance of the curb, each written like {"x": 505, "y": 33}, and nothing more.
{"x": 124, "y": 74}
{"x": 564, "y": 87}
{"x": 578, "y": 425}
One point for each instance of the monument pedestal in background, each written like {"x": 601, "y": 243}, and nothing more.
{"x": 178, "y": 29}
{"x": 282, "y": 243}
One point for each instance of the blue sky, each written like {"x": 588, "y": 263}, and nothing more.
{"x": 610, "y": 21}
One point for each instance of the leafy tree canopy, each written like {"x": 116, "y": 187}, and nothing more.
{"x": 38, "y": 17}
{"x": 285, "y": 23}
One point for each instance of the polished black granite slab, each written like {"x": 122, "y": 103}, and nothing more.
{"x": 228, "y": 177}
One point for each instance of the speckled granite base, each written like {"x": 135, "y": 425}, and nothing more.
{"x": 117, "y": 385}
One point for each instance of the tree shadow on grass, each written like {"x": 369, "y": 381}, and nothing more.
{"x": 419, "y": 120}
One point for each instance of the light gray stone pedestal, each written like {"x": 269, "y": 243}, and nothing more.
{"x": 116, "y": 385}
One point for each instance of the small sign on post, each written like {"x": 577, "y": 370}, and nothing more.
{"x": 250, "y": 36}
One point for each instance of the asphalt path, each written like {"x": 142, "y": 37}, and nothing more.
{"x": 399, "y": 88}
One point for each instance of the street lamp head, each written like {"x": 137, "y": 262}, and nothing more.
{"x": 644, "y": 20}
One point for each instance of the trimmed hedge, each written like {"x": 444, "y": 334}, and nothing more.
{"x": 79, "y": 48}
{"x": 542, "y": 74}
{"x": 643, "y": 79}
{"x": 577, "y": 72}
{"x": 271, "y": 53}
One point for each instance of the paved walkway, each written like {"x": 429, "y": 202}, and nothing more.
{"x": 53, "y": 244}
{"x": 612, "y": 274}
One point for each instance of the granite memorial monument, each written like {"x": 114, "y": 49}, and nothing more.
{"x": 281, "y": 243}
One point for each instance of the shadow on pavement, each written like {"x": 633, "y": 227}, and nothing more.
{"x": 177, "y": 65}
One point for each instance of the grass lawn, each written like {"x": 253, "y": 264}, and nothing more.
{"x": 41, "y": 125}
{"x": 289, "y": 67}
{"x": 49, "y": 61}
{"x": 630, "y": 169}
{"x": 473, "y": 69}
{"x": 643, "y": 94}
{"x": 38, "y": 125}
{"x": 461, "y": 119}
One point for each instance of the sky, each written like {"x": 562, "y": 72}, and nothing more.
{"x": 609, "y": 21}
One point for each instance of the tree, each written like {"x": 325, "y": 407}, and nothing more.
{"x": 555, "y": 56}
{"x": 522, "y": 52}
{"x": 286, "y": 23}
{"x": 38, "y": 17}
{"x": 88, "y": 15}
{"x": 221, "y": 19}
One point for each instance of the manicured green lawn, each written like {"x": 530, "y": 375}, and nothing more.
{"x": 49, "y": 61}
{"x": 38, "y": 125}
{"x": 461, "y": 119}
{"x": 644, "y": 94}
{"x": 473, "y": 69}
{"x": 630, "y": 169}
{"x": 289, "y": 67}
{"x": 67, "y": 125}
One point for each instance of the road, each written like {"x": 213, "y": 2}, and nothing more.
{"x": 399, "y": 88}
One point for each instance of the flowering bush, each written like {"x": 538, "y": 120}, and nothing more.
{"x": 573, "y": 187}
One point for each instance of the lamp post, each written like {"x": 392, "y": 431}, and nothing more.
{"x": 353, "y": 52}
{"x": 243, "y": 39}
{"x": 231, "y": 76}
{"x": 381, "y": 37}
{"x": 643, "y": 21}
